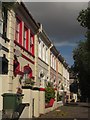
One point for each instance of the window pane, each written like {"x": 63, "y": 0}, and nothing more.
{"x": 17, "y": 30}
{"x": 25, "y": 37}
{"x": 40, "y": 48}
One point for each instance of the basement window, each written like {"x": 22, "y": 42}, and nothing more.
{"x": 4, "y": 64}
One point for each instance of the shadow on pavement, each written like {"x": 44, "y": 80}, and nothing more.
{"x": 72, "y": 104}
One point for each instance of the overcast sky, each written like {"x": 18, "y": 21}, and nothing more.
{"x": 59, "y": 22}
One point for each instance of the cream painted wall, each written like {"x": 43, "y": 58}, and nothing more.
{"x": 2, "y": 42}
{"x": 11, "y": 36}
{"x": 64, "y": 72}
{"x": 66, "y": 79}
{"x": 59, "y": 77}
{"x": 42, "y": 102}
{"x": 44, "y": 67}
{"x": 3, "y": 88}
{"x": 36, "y": 96}
{"x": 16, "y": 83}
{"x": 60, "y": 68}
{"x": 49, "y": 63}
{"x": 36, "y": 60}
{"x": 27, "y": 98}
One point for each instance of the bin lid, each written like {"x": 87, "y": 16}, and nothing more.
{"x": 12, "y": 94}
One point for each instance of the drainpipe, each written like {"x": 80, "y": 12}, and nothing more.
{"x": 49, "y": 59}
{"x": 36, "y": 54}
{"x": 57, "y": 68}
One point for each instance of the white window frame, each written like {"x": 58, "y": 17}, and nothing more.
{"x": 43, "y": 52}
{"x": 31, "y": 43}
{"x": 53, "y": 62}
{"x": 46, "y": 55}
{"x": 39, "y": 48}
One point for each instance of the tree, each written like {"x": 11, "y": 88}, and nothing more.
{"x": 81, "y": 67}
{"x": 81, "y": 55}
{"x": 84, "y": 18}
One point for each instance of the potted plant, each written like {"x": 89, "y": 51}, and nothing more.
{"x": 29, "y": 81}
{"x": 49, "y": 92}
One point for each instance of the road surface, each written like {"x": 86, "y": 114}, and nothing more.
{"x": 79, "y": 111}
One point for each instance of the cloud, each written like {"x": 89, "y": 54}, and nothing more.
{"x": 60, "y": 23}
{"x": 65, "y": 44}
{"x": 59, "y": 19}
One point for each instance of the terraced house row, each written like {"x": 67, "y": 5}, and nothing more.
{"x": 29, "y": 61}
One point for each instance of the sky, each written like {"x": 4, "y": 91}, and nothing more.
{"x": 59, "y": 20}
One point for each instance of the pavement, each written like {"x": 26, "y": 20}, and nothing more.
{"x": 70, "y": 111}
{"x": 76, "y": 111}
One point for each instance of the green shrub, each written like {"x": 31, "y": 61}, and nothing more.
{"x": 49, "y": 93}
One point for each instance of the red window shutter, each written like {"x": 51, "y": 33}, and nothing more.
{"x": 20, "y": 35}
{"x": 27, "y": 39}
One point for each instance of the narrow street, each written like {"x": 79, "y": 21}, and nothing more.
{"x": 80, "y": 110}
{"x": 44, "y": 60}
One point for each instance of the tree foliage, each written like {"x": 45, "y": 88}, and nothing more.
{"x": 84, "y": 18}
{"x": 81, "y": 55}
{"x": 82, "y": 67}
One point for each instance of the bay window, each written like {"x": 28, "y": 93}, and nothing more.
{"x": 24, "y": 37}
